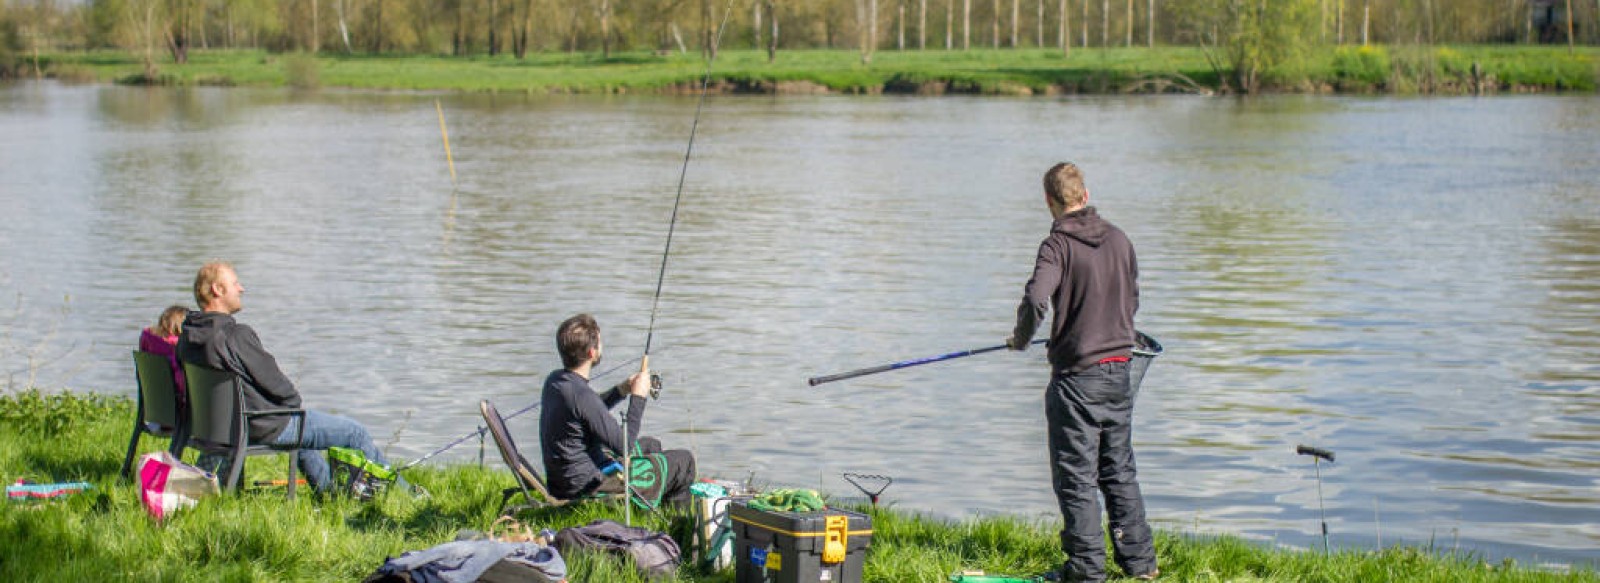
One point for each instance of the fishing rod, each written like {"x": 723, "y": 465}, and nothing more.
{"x": 481, "y": 430}
{"x": 860, "y": 372}
{"x": 1317, "y": 455}
{"x": 661, "y": 276}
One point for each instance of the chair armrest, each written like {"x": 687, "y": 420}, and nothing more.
{"x": 300, "y": 430}
{"x": 275, "y": 412}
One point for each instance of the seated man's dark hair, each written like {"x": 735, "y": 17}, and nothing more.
{"x": 575, "y": 338}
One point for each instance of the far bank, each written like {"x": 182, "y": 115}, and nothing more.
{"x": 1400, "y": 70}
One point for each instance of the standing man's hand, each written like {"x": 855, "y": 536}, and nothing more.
{"x": 1013, "y": 344}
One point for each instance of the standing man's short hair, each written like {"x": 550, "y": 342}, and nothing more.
{"x": 575, "y": 338}
{"x": 210, "y": 274}
{"x": 1063, "y": 183}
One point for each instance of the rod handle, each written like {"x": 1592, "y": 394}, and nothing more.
{"x": 1314, "y": 452}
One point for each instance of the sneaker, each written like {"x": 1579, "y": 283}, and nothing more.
{"x": 1151, "y": 576}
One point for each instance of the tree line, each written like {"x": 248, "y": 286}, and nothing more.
{"x": 518, "y": 27}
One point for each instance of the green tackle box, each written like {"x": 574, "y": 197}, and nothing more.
{"x": 355, "y": 475}
{"x": 798, "y": 547}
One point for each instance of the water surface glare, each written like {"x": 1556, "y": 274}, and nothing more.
{"x": 1413, "y": 283}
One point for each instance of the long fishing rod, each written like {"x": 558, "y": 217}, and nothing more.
{"x": 814, "y": 381}
{"x": 481, "y": 430}
{"x": 661, "y": 277}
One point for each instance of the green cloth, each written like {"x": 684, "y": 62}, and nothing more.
{"x": 788, "y": 500}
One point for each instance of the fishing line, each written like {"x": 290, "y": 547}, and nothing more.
{"x": 661, "y": 276}
{"x": 481, "y": 430}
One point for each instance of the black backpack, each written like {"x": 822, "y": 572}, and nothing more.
{"x": 656, "y": 554}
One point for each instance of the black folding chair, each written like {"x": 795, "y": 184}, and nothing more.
{"x": 158, "y": 414}
{"x": 528, "y": 479}
{"x": 221, "y": 425}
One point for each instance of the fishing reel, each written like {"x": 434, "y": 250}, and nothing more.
{"x": 655, "y": 386}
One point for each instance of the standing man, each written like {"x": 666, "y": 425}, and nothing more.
{"x": 212, "y": 338}
{"x": 1087, "y": 273}
{"x": 580, "y": 440}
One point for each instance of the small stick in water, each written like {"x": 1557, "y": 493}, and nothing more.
{"x": 446, "y": 135}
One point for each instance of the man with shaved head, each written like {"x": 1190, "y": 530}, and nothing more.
{"x": 212, "y": 338}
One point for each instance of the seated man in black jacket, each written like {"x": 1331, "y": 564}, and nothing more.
{"x": 213, "y": 339}
{"x": 580, "y": 438}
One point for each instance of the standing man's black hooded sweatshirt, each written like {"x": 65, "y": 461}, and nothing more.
{"x": 215, "y": 340}
{"x": 1087, "y": 267}
{"x": 576, "y": 431}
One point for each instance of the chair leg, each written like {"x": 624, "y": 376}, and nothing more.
{"x": 133, "y": 445}
{"x": 180, "y": 440}
{"x": 294, "y": 464}
{"x": 236, "y": 468}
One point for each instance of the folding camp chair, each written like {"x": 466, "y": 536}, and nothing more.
{"x": 158, "y": 413}
{"x": 528, "y": 479}
{"x": 222, "y": 426}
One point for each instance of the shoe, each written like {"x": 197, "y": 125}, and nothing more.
{"x": 1151, "y": 576}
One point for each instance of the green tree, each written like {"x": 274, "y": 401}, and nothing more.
{"x": 1267, "y": 40}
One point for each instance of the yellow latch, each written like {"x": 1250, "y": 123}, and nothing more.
{"x": 833, "y": 540}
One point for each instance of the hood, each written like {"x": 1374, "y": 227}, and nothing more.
{"x": 203, "y": 327}
{"x": 1083, "y": 224}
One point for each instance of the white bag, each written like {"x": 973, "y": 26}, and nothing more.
{"x": 166, "y": 484}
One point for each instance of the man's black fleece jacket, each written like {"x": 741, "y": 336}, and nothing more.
{"x": 1086, "y": 270}
{"x": 215, "y": 340}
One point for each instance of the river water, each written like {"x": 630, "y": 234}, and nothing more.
{"x": 1412, "y": 283}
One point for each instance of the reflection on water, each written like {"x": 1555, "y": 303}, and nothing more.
{"x": 1411, "y": 283}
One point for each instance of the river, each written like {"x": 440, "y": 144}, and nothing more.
{"x": 1412, "y": 283}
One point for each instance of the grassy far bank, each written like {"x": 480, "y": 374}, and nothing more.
{"x": 1401, "y": 69}
{"x": 104, "y": 534}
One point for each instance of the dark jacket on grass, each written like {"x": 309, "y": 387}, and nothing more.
{"x": 576, "y": 432}
{"x": 1086, "y": 270}
{"x": 215, "y": 340}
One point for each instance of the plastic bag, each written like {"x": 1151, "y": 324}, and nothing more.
{"x": 166, "y": 484}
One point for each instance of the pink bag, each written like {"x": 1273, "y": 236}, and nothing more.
{"x": 166, "y": 484}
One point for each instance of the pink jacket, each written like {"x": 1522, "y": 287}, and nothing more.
{"x": 166, "y": 346}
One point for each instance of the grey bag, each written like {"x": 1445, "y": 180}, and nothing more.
{"x": 656, "y": 554}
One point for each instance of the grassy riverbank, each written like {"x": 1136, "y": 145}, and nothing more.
{"x": 104, "y": 534}
{"x": 1403, "y": 70}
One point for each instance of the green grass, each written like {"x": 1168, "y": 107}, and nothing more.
{"x": 104, "y": 534}
{"x": 983, "y": 71}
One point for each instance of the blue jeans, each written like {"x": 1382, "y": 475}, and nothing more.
{"x": 324, "y": 430}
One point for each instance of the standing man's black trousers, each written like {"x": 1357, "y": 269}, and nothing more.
{"x": 1090, "y": 415}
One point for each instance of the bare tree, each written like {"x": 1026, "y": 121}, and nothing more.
{"x": 863, "y": 30}
{"x": 950, "y": 24}
{"x": 494, "y": 27}
{"x": 1571, "y": 16}
{"x": 994, "y": 20}
{"x": 176, "y": 29}
{"x": 1339, "y": 19}
{"x": 1366, "y": 20}
{"x": 1150, "y": 23}
{"x": 966, "y": 24}
{"x": 1061, "y": 36}
{"x": 922, "y": 25}
{"x": 900, "y": 25}
{"x": 772, "y": 39}
{"x": 1130, "y": 24}
{"x": 605, "y": 29}
{"x": 1038, "y": 39}
{"x": 519, "y": 41}
{"x": 1085, "y": 24}
{"x": 1016, "y": 14}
